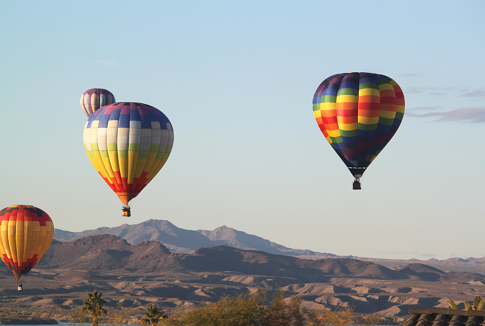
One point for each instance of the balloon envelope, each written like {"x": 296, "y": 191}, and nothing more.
{"x": 95, "y": 98}
{"x": 26, "y": 233}
{"x": 128, "y": 143}
{"x": 358, "y": 113}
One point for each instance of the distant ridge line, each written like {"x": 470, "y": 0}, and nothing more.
{"x": 188, "y": 241}
{"x": 179, "y": 240}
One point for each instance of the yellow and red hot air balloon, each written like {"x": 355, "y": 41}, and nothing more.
{"x": 26, "y": 232}
{"x": 128, "y": 144}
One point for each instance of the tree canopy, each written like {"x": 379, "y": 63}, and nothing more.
{"x": 94, "y": 305}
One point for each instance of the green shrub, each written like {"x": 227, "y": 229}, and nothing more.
{"x": 252, "y": 309}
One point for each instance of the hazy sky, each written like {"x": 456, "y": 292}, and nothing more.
{"x": 236, "y": 79}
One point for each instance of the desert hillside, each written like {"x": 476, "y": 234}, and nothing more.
{"x": 145, "y": 273}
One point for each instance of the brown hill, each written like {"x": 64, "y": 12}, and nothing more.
{"x": 431, "y": 274}
{"x": 108, "y": 252}
{"x": 424, "y": 272}
{"x": 421, "y": 268}
{"x": 362, "y": 269}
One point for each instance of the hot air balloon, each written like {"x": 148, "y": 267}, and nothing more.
{"x": 26, "y": 233}
{"x": 96, "y": 98}
{"x": 128, "y": 143}
{"x": 358, "y": 113}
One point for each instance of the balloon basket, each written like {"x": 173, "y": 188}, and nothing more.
{"x": 356, "y": 185}
{"x": 126, "y": 211}
{"x": 19, "y": 287}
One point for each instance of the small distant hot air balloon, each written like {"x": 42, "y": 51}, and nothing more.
{"x": 358, "y": 113}
{"x": 26, "y": 233}
{"x": 128, "y": 143}
{"x": 96, "y": 98}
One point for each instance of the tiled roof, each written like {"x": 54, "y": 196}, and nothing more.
{"x": 444, "y": 317}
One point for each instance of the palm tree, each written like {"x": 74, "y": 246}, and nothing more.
{"x": 477, "y": 304}
{"x": 94, "y": 305}
{"x": 153, "y": 316}
{"x": 452, "y": 304}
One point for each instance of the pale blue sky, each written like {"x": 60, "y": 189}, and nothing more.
{"x": 236, "y": 79}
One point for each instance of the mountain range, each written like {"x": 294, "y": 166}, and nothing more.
{"x": 187, "y": 241}
{"x": 109, "y": 252}
{"x": 179, "y": 240}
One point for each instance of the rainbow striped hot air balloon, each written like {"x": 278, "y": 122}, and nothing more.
{"x": 128, "y": 143}
{"x": 95, "y": 98}
{"x": 358, "y": 113}
{"x": 26, "y": 233}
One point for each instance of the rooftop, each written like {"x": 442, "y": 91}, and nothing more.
{"x": 445, "y": 317}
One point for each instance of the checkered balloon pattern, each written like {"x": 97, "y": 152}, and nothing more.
{"x": 358, "y": 113}
{"x": 26, "y": 232}
{"x": 96, "y": 98}
{"x": 128, "y": 144}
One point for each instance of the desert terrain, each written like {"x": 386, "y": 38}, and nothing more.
{"x": 138, "y": 275}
